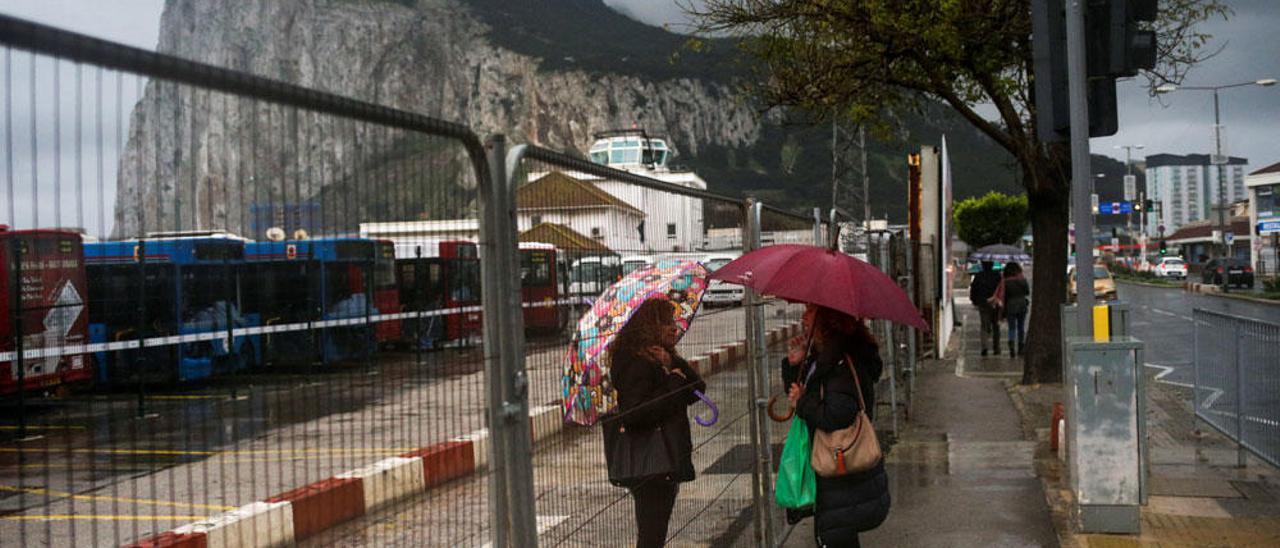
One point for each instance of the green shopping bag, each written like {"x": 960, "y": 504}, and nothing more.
{"x": 797, "y": 486}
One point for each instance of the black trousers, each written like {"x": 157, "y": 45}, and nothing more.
{"x": 654, "y": 500}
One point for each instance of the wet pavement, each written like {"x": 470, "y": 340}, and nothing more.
{"x": 95, "y": 470}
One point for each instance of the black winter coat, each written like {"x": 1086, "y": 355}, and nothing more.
{"x": 649, "y": 397}
{"x": 983, "y": 287}
{"x": 849, "y": 504}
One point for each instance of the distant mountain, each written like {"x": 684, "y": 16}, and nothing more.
{"x": 551, "y": 72}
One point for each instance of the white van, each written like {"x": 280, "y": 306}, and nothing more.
{"x": 635, "y": 262}
{"x": 720, "y": 293}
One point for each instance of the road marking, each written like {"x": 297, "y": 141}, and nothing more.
{"x": 151, "y": 502}
{"x": 1165, "y": 370}
{"x": 99, "y": 517}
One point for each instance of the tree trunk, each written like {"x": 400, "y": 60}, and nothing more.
{"x": 1048, "y": 198}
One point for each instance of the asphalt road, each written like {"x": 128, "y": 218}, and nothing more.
{"x": 1162, "y": 318}
{"x": 1238, "y": 369}
{"x": 95, "y": 469}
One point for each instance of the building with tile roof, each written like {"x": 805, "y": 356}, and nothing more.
{"x": 556, "y": 198}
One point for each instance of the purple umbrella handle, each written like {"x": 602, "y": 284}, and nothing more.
{"x": 715, "y": 411}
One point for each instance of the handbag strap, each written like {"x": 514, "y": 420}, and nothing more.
{"x": 862, "y": 405}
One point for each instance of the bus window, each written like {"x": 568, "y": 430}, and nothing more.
{"x": 464, "y": 281}
{"x": 535, "y": 268}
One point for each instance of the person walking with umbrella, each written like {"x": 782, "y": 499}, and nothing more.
{"x": 981, "y": 289}
{"x": 1014, "y": 296}
{"x": 654, "y": 386}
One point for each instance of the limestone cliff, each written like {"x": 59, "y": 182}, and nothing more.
{"x": 197, "y": 159}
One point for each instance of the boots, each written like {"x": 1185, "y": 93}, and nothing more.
{"x": 1021, "y": 344}
{"x": 1012, "y": 353}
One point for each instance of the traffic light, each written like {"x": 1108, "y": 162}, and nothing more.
{"x": 1164, "y": 247}
{"x": 1116, "y": 46}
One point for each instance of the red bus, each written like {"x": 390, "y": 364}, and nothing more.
{"x": 51, "y": 300}
{"x": 445, "y": 280}
{"x": 540, "y": 280}
{"x": 386, "y": 293}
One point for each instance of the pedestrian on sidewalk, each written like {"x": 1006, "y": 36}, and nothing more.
{"x": 981, "y": 289}
{"x": 654, "y": 386}
{"x": 1013, "y": 296}
{"x": 824, "y": 393}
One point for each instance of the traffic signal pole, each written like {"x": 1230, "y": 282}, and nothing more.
{"x": 1081, "y": 175}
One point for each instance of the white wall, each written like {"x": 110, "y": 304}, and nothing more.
{"x": 617, "y": 226}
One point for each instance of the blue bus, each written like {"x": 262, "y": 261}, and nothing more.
{"x": 317, "y": 292}
{"x": 181, "y": 295}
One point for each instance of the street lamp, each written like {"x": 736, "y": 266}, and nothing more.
{"x": 1129, "y": 196}
{"x": 1217, "y": 138}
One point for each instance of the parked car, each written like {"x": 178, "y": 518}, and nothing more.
{"x": 1237, "y": 272}
{"x": 1171, "y": 267}
{"x": 718, "y": 292}
{"x": 1104, "y": 286}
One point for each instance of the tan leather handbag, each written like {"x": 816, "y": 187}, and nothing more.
{"x": 847, "y": 450}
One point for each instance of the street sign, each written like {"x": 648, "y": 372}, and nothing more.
{"x": 1269, "y": 227}
{"x": 1230, "y": 237}
{"x": 1130, "y": 187}
{"x": 1126, "y": 207}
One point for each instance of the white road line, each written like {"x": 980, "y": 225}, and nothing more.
{"x": 1165, "y": 370}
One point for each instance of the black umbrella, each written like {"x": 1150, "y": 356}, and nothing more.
{"x": 1002, "y": 253}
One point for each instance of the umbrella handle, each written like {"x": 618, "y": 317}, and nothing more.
{"x": 777, "y": 417}
{"x": 715, "y": 411}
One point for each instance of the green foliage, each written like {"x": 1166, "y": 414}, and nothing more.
{"x": 992, "y": 219}
{"x": 1271, "y": 285}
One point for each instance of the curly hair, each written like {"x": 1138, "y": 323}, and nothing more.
{"x": 830, "y": 324}
{"x": 642, "y": 330}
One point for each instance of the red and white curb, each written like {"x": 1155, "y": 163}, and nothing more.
{"x": 295, "y": 515}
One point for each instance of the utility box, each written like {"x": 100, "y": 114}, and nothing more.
{"x": 1106, "y": 432}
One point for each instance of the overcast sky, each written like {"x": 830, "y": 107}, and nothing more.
{"x": 1179, "y": 123}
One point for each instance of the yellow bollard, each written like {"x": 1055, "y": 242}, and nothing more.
{"x": 1101, "y": 323}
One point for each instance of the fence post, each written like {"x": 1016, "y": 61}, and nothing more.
{"x": 817, "y": 226}
{"x": 1195, "y": 369}
{"x": 1241, "y": 457}
{"x": 511, "y": 501}
{"x": 757, "y": 379}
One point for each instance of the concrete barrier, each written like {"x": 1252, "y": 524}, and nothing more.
{"x": 303, "y": 512}
{"x": 323, "y": 504}
{"x": 265, "y": 524}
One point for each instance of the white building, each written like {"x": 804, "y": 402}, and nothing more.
{"x": 1264, "y": 219}
{"x": 561, "y": 199}
{"x": 672, "y": 222}
{"x": 1185, "y": 188}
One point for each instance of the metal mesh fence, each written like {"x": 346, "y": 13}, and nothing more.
{"x": 610, "y": 224}
{"x": 244, "y": 312}
{"x": 1236, "y": 382}
{"x": 218, "y": 319}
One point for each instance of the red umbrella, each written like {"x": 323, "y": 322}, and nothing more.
{"x": 825, "y": 277}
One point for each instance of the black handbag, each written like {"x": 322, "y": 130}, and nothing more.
{"x": 636, "y": 455}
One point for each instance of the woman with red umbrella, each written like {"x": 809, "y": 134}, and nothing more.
{"x": 825, "y": 389}
{"x": 824, "y": 392}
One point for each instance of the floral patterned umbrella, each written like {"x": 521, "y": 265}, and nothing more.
{"x": 586, "y": 389}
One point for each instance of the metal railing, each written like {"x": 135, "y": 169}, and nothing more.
{"x": 301, "y": 311}
{"x": 1237, "y": 381}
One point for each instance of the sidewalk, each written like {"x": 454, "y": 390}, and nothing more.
{"x": 962, "y": 473}
{"x": 1198, "y": 497}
